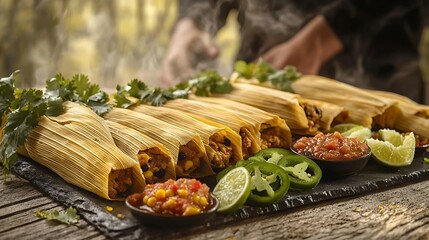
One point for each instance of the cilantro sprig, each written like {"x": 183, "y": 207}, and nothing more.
{"x": 68, "y": 216}
{"x": 204, "y": 84}
{"x": 21, "y": 111}
{"x": 264, "y": 72}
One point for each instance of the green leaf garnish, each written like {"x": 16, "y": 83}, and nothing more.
{"x": 206, "y": 83}
{"x": 21, "y": 113}
{"x": 68, "y": 216}
{"x": 263, "y": 72}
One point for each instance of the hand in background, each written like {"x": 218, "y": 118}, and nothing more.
{"x": 187, "y": 45}
{"x": 308, "y": 50}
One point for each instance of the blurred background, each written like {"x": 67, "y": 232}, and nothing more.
{"x": 112, "y": 41}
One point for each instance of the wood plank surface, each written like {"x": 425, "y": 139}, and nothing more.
{"x": 397, "y": 213}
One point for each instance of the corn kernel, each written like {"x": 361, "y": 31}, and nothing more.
{"x": 203, "y": 201}
{"x": 169, "y": 193}
{"x": 160, "y": 194}
{"x": 109, "y": 208}
{"x": 196, "y": 198}
{"x": 179, "y": 170}
{"x": 120, "y": 215}
{"x": 191, "y": 210}
{"x": 169, "y": 203}
{"x": 145, "y": 198}
{"x": 182, "y": 192}
{"x": 188, "y": 165}
{"x": 163, "y": 165}
{"x": 148, "y": 174}
{"x": 151, "y": 201}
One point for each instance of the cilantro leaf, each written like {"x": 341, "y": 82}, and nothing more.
{"x": 7, "y": 88}
{"x": 281, "y": 79}
{"x": 206, "y": 83}
{"x": 68, "y": 216}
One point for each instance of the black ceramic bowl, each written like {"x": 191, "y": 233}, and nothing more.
{"x": 340, "y": 168}
{"x": 148, "y": 217}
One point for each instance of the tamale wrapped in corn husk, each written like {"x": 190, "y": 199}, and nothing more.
{"x": 414, "y": 117}
{"x": 154, "y": 158}
{"x": 332, "y": 114}
{"x": 298, "y": 114}
{"x": 77, "y": 145}
{"x": 187, "y": 148}
{"x": 273, "y": 130}
{"x": 223, "y": 145}
{"x": 363, "y": 108}
{"x": 216, "y": 116}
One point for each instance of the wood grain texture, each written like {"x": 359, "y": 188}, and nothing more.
{"x": 397, "y": 213}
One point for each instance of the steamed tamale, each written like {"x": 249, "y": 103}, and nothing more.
{"x": 414, "y": 117}
{"x": 223, "y": 146}
{"x": 186, "y": 147}
{"x": 154, "y": 159}
{"x": 363, "y": 108}
{"x": 332, "y": 114}
{"x": 77, "y": 145}
{"x": 216, "y": 116}
{"x": 299, "y": 115}
{"x": 273, "y": 130}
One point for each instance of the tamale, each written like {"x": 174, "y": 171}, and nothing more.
{"x": 154, "y": 158}
{"x": 77, "y": 145}
{"x": 414, "y": 117}
{"x": 363, "y": 108}
{"x": 223, "y": 146}
{"x": 216, "y": 116}
{"x": 187, "y": 148}
{"x": 299, "y": 115}
{"x": 332, "y": 114}
{"x": 273, "y": 130}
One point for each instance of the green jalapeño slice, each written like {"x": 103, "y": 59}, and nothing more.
{"x": 303, "y": 172}
{"x": 268, "y": 182}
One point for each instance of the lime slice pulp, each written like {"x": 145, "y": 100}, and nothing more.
{"x": 391, "y": 136}
{"x": 394, "y": 156}
{"x": 343, "y": 127}
{"x": 232, "y": 190}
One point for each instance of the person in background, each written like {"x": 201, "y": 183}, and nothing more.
{"x": 369, "y": 44}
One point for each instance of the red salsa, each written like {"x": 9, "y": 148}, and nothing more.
{"x": 331, "y": 146}
{"x": 182, "y": 197}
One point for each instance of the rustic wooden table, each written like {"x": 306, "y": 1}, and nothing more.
{"x": 396, "y": 213}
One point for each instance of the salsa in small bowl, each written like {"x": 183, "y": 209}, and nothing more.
{"x": 174, "y": 203}
{"x": 335, "y": 154}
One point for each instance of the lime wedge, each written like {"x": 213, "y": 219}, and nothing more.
{"x": 343, "y": 127}
{"x": 391, "y": 136}
{"x": 394, "y": 156}
{"x": 361, "y": 134}
{"x": 233, "y": 190}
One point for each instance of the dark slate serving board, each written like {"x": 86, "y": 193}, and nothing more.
{"x": 93, "y": 208}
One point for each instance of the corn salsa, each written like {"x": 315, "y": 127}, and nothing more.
{"x": 182, "y": 197}
{"x": 331, "y": 146}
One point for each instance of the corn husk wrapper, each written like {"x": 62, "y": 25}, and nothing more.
{"x": 260, "y": 119}
{"x": 77, "y": 145}
{"x": 414, "y": 117}
{"x": 168, "y": 135}
{"x": 133, "y": 143}
{"x": 332, "y": 114}
{"x": 284, "y": 104}
{"x": 363, "y": 108}
{"x": 184, "y": 121}
{"x": 216, "y": 116}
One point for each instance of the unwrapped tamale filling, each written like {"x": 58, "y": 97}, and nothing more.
{"x": 189, "y": 159}
{"x": 154, "y": 163}
{"x": 223, "y": 152}
{"x": 271, "y": 137}
{"x": 120, "y": 182}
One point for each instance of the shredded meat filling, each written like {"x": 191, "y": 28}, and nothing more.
{"x": 120, "y": 182}
{"x": 313, "y": 114}
{"x": 246, "y": 143}
{"x": 271, "y": 137}
{"x": 189, "y": 159}
{"x": 154, "y": 164}
{"x": 223, "y": 151}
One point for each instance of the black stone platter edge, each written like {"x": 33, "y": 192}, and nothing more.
{"x": 93, "y": 208}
